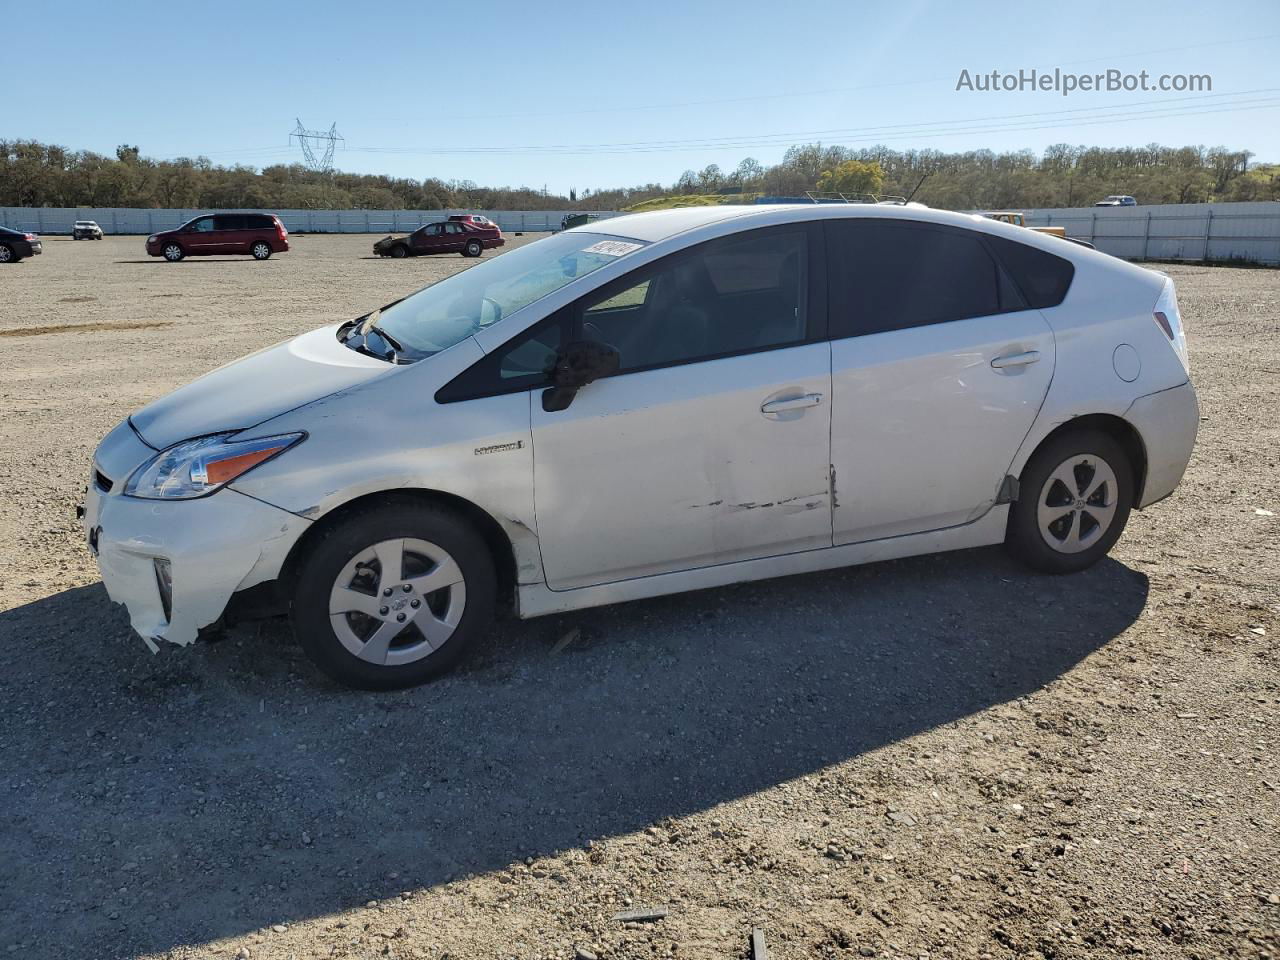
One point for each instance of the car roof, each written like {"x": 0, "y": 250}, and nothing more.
{"x": 657, "y": 225}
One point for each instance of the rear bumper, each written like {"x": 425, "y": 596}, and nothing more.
{"x": 1167, "y": 422}
{"x": 34, "y": 249}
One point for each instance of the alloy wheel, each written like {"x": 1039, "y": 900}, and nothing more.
{"x": 397, "y": 601}
{"x": 5, "y": 254}
{"x": 173, "y": 252}
{"x": 1077, "y": 503}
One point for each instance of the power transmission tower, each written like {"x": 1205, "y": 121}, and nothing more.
{"x": 310, "y": 140}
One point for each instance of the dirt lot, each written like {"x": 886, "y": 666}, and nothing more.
{"x": 941, "y": 757}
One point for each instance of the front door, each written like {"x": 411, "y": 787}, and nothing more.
{"x": 938, "y": 372}
{"x": 199, "y": 238}
{"x": 711, "y": 443}
{"x": 428, "y": 239}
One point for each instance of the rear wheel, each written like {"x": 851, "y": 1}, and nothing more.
{"x": 1074, "y": 499}
{"x": 399, "y": 251}
{"x": 261, "y": 250}
{"x": 473, "y": 248}
{"x": 393, "y": 595}
{"x": 7, "y": 255}
{"x": 172, "y": 252}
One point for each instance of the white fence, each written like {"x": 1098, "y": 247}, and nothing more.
{"x": 1184, "y": 231}
{"x": 1175, "y": 231}
{"x": 132, "y": 220}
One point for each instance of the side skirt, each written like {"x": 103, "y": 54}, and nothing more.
{"x": 536, "y": 599}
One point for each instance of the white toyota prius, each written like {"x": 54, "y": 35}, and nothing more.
{"x": 644, "y": 405}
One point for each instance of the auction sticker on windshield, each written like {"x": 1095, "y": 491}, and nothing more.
{"x": 612, "y": 248}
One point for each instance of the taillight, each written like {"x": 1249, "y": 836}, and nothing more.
{"x": 281, "y": 232}
{"x": 30, "y": 236}
{"x": 1169, "y": 319}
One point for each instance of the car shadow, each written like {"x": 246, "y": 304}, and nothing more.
{"x": 153, "y": 801}
{"x": 161, "y": 261}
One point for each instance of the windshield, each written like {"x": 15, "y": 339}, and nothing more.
{"x": 444, "y": 313}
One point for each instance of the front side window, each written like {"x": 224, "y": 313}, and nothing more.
{"x": 203, "y": 225}
{"x": 893, "y": 275}
{"x": 732, "y": 295}
{"x": 459, "y": 306}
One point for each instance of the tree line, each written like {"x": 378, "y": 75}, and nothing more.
{"x": 34, "y": 174}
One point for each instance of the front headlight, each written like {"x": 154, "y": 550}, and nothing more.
{"x": 195, "y": 468}
{"x": 151, "y": 239}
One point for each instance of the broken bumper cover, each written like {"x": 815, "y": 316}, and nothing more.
{"x": 214, "y": 546}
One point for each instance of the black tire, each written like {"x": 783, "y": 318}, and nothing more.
{"x": 8, "y": 254}
{"x": 172, "y": 252}
{"x": 336, "y": 547}
{"x": 399, "y": 251}
{"x": 473, "y": 248}
{"x": 261, "y": 250}
{"x": 1025, "y": 537}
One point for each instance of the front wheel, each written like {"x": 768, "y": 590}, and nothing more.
{"x": 399, "y": 251}
{"x": 172, "y": 252}
{"x": 473, "y": 249}
{"x": 261, "y": 250}
{"x": 1074, "y": 499}
{"x": 393, "y": 595}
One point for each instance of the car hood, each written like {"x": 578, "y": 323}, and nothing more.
{"x": 258, "y": 387}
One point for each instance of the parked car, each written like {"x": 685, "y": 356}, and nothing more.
{"x": 1015, "y": 218}
{"x": 257, "y": 234}
{"x": 571, "y": 220}
{"x": 86, "y": 230}
{"x": 14, "y": 245}
{"x": 449, "y": 236}
{"x": 713, "y": 394}
{"x": 1117, "y": 201}
{"x": 475, "y": 219}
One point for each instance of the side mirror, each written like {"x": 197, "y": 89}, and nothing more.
{"x": 578, "y": 364}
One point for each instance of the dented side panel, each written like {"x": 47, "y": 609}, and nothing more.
{"x": 679, "y": 468}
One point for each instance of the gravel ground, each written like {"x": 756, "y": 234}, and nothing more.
{"x": 941, "y": 757}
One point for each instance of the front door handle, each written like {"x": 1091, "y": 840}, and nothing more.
{"x": 1016, "y": 359}
{"x": 791, "y": 403}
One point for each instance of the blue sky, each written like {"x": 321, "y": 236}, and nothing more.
{"x": 594, "y": 95}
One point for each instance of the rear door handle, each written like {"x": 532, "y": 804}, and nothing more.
{"x": 1016, "y": 359}
{"x": 791, "y": 403}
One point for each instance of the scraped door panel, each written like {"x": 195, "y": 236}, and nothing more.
{"x": 677, "y": 468}
{"x": 924, "y": 427}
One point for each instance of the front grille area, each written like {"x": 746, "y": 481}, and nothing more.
{"x": 102, "y": 481}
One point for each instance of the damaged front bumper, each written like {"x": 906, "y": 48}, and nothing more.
{"x": 198, "y": 552}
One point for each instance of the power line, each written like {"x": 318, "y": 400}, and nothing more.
{"x": 990, "y": 123}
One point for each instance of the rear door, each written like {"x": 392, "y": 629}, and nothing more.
{"x": 455, "y": 236}
{"x": 230, "y": 234}
{"x": 939, "y": 368}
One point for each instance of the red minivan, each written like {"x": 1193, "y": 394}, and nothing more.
{"x": 257, "y": 234}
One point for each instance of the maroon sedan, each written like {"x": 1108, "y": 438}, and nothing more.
{"x": 257, "y": 234}
{"x": 451, "y": 236}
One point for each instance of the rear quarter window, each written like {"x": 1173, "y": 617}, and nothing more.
{"x": 1043, "y": 278}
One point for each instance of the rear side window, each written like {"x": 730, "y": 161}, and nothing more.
{"x": 257, "y": 221}
{"x": 228, "y": 221}
{"x": 890, "y": 275}
{"x": 1043, "y": 278}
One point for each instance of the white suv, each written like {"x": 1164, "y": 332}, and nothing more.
{"x": 655, "y": 403}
